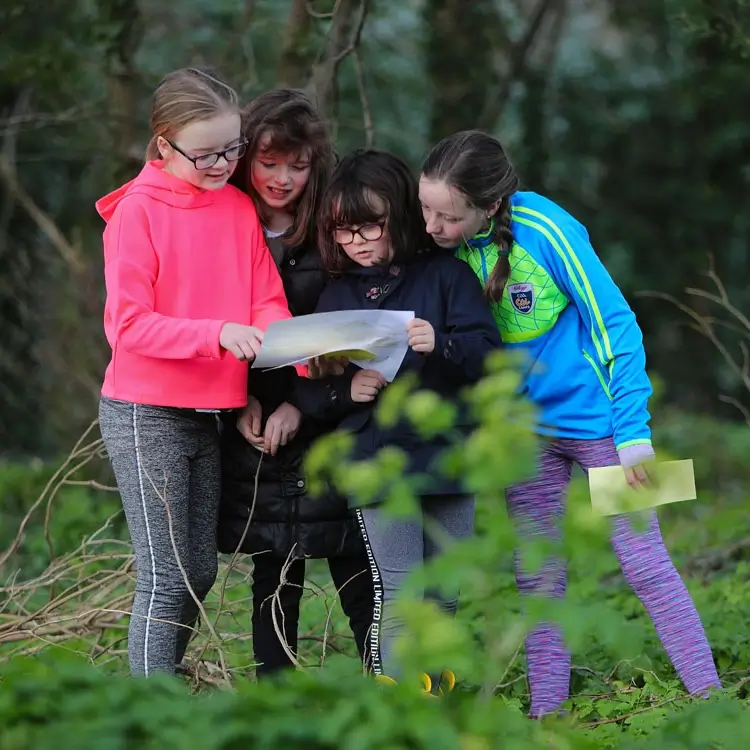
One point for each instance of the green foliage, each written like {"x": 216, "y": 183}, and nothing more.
{"x": 726, "y": 22}
{"x": 646, "y": 142}
{"x": 624, "y": 690}
{"x": 29, "y": 491}
{"x": 644, "y": 139}
{"x": 48, "y": 698}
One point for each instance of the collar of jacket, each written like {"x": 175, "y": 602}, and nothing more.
{"x": 482, "y": 239}
{"x": 374, "y": 273}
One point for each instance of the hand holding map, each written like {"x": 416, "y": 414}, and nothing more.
{"x": 372, "y": 339}
{"x": 669, "y": 482}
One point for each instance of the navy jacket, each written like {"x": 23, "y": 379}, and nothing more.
{"x": 443, "y": 291}
{"x": 286, "y": 518}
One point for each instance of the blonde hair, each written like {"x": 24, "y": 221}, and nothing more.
{"x": 185, "y": 96}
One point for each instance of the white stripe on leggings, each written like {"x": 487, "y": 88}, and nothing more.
{"x": 137, "y": 441}
{"x": 377, "y": 610}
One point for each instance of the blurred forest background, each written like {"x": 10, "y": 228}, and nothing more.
{"x": 630, "y": 113}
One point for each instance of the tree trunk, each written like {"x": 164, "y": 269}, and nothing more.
{"x": 342, "y": 39}
{"x": 458, "y": 56}
{"x": 126, "y": 21}
{"x": 296, "y": 49}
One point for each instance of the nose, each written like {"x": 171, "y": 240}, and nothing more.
{"x": 282, "y": 176}
{"x": 433, "y": 225}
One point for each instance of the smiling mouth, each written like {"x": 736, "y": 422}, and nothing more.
{"x": 278, "y": 192}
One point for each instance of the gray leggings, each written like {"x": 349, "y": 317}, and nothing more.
{"x": 167, "y": 467}
{"x": 396, "y": 547}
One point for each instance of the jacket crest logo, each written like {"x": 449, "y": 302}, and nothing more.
{"x": 522, "y": 297}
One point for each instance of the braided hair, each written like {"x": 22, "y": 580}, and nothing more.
{"x": 475, "y": 164}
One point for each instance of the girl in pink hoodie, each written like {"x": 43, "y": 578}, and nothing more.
{"x": 190, "y": 288}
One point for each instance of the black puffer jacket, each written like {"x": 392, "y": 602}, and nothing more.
{"x": 285, "y": 516}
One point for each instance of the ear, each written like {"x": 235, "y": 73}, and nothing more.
{"x": 493, "y": 208}
{"x": 163, "y": 146}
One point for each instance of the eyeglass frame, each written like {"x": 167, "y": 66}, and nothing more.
{"x": 218, "y": 154}
{"x": 355, "y": 232}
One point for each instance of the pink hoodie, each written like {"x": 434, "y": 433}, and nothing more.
{"x": 180, "y": 262}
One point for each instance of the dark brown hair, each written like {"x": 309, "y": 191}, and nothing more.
{"x": 294, "y": 124}
{"x": 184, "y": 96}
{"x": 475, "y": 164}
{"x": 347, "y": 202}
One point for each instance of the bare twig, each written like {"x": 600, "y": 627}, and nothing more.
{"x": 48, "y": 227}
{"x": 276, "y": 604}
{"x": 294, "y": 58}
{"x": 356, "y": 34}
{"x": 364, "y": 101}
{"x": 183, "y": 572}
{"x": 89, "y": 614}
{"x": 707, "y": 326}
{"x": 53, "y": 482}
{"x": 322, "y": 82}
{"x": 236, "y": 553}
{"x": 519, "y": 52}
{"x": 631, "y": 714}
{"x": 330, "y": 612}
{"x": 38, "y": 120}
{"x": 317, "y": 14}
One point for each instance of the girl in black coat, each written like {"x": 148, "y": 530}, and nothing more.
{"x": 288, "y": 164}
{"x": 371, "y": 234}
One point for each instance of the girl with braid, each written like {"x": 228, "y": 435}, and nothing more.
{"x": 552, "y": 298}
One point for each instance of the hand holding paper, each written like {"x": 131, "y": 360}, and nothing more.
{"x": 375, "y": 339}
{"x": 366, "y": 385}
{"x": 421, "y": 336}
{"x": 668, "y": 482}
{"x": 635, "y": 460}
{"x": 242, "y": 341}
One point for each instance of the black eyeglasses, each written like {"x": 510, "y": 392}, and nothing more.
{"x": 206, "y": 161}
{"x": 368, "y": 232}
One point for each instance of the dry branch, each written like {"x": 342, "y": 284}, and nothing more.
{"x": 347, "y": 21}
{"x": 517, "y": 59}
{"x": 48, "y": 227}
{"x": 709, "y": 327}
{"x": 294, "y": 59}
{"x": 81, "y": 601}
{"x": 364, "y": 101}
{"x": 96, "y": 582}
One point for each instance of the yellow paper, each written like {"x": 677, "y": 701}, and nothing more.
{"x": 671, "y": 482}
{"x": 350, "y": 354}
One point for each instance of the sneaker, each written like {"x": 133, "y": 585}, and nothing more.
{"x": 427, "y": 685}
{"x": 445, "y": 683}
{"x": 383, "y": 679}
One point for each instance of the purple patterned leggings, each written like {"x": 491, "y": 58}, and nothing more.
{"x": 537, "y": 508}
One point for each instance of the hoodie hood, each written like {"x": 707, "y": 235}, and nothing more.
{"x": 159, "y": 185}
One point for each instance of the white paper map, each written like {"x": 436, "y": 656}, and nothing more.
{"x": 377, "y": 336}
